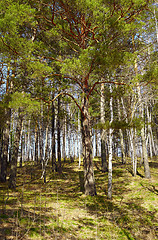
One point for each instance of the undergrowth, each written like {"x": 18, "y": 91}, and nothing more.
{"x": 58, "y": 209}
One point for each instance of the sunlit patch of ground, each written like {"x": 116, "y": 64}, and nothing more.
{"x": 60, "y": 210}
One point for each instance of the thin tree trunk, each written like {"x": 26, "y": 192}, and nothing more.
{"x": 133, "y": 152}
{"x": 64, "y": 140}
{"x": 58, "y": 138}
{"x": 156, "y": 25}
{"x": 152, "y": 144}
{"x": 103, "y": 131}
{"x": 28, "y": 141}
{"x": 53, "y": 138}
{"x": 45, "y": 160}
{"x": 110, "y": 151}
{"x": 96, "y": 142}
{"x": 145, "y": 156}
{"x": 121, "y": 135}
{"x": 79, "y": 140}
{"x": 21, "y": 137}
{"x": 36, "y": 143}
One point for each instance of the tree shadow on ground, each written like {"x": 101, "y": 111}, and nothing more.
{"x": 49, "y": 208}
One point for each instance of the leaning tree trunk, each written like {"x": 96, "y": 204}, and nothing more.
{"x": 89, "y": 181}
{"x": 13, "y": 169}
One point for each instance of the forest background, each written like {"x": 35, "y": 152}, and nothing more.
{"x": 78, "y": 84}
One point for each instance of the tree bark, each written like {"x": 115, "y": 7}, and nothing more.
{"x": 21, "y": 152}
{"x": 89, "y": 181}
{"x": 5, "y": 147}
{"x": 53, "y": 138}
{"x": 144, "y": 148}
{"x": 64, "y": 140}
{"x": 103, "y": 131}
{"x": 96, "y": 142}
{"x": 121, "y": 136}
{"x": 145, "y": 156}
{"x": 13, "y": 170}
{"x": 79, "y": 140}
{"x": 58, "y": 138}
{"x": 110, "y": 152}
{"x": 36, "y": 143}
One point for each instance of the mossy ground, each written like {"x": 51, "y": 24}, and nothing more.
{"x": 58, "y": 209}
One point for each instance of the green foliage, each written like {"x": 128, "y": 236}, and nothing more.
{"x": 24, "y": 101}
{"x": 122, "y": 124}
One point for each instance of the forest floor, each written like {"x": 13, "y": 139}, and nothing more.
{"x": 58, "y": 209}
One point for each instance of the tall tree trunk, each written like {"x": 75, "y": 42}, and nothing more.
{"x": 6, "y": 130}
{"x": 79, "y": 140}
{"x": 152, "y": 144}
{"x": 144, "y": 148}
{"x": 89, "y": 181}
{"x": 5, "y": 147}
{"x": 53, "y": 138}
{"x": 121, "y": 135}
{"x": 156, "y": 24}
{"x": 58, "y": 138}
{"x": 36, "y": 143}
{"x": 28, "y": 141}
{"x": 64, "y": 139}
{"x": 145, "y": 156}
{"x": 13, "y": 169}
{"x": 110, "y": 152}
{"x": 21, "y": 152}
{"x": 45, "y": 160}
{"x": 96, "y": 142}
{"x": 133, "y": 151}
{"x": 103, "y": 131}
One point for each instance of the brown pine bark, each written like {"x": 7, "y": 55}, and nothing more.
{"x": 89, "y": 181}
